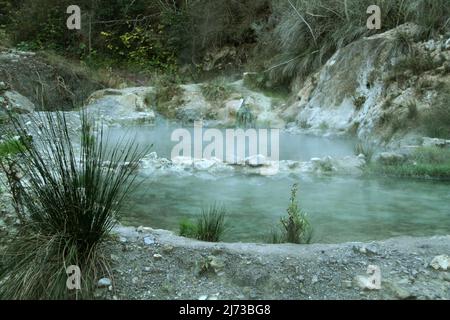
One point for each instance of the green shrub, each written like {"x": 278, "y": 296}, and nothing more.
{"x": 424, "y": 162}
{"x": 216, "y": 90}
{"x": 168, "y": 95}
{"x": 71, "y": 201}
{"x": 295, "y": 227}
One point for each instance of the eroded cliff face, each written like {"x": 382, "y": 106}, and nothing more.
{"x": 373, "y": 87}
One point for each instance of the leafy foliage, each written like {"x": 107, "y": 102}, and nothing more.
{"x": 295, "y": 226}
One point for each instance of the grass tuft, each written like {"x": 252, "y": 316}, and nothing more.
{"x": 210, "y": 226}
{"x": 365, "y": 148}
{"x": 70, "y": 201}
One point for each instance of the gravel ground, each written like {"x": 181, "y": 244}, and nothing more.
{"x": 156, "y": 264}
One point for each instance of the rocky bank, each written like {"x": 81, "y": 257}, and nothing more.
{"x": 156, "y": 264}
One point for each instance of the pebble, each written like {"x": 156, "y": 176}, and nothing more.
{"x": 157, "y": 256}
{"x": 402, "y": 294}
{"x": 314, "y": 280}
{"x": 104, "y": 283}
{"x": 148, "y": 241}
{"x": 123, "y": 240}
{"x": 441, "y": 262}
{"x": 168, "y": 249}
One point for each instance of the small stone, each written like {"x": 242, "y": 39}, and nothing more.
{"x": 135, "y": 280}
{"x": 441, "y": 262}
{"x": 147, "y": 269}
{"x": 148, "y": 241}
{"x": 157, "y": 256}
{"x": 371, "y": 282}
{"x": 204, "y": 297}
{"x": 216, "y": 263}
{"x": 214, "y": 297}
{"x": 3, "y": 86}
{"x": 167, "y": 249}
{"x": 123, "y": 240}
{"x": 314, "y": 280}
{"x": 104, "y": 283}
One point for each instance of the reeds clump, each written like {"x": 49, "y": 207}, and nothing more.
{"x": 71, "y": 195}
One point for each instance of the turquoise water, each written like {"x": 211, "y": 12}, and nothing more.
{"x": 340, "y": 208}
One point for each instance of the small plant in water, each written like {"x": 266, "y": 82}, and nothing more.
{"x": 245, "y": 117}
{"x": 295, "y": 226}
{"x": 211, "y": 224}
{"x": 366, "y": 148}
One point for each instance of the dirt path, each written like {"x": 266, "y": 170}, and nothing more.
{"x": 155, "y": 264}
